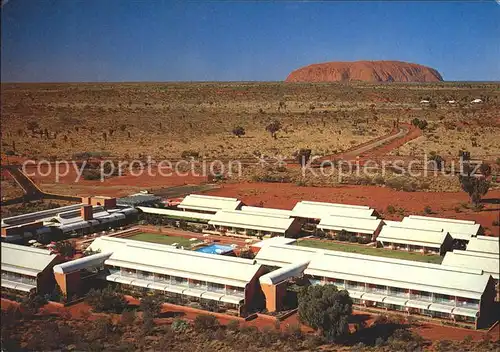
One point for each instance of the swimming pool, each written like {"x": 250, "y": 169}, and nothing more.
{"x": 215, "y": 249}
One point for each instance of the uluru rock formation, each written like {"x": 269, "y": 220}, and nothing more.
{"x": 368, "y": 71}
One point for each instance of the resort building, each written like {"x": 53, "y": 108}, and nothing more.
{"x": 316, "y": 211}
{"x": 72, "y": 220}
{"x": 267, "y": 211}
{"x": 414, "y": 240}
{"x": 437, "y": 291}
{"x": 487, "y": 262}
{"x": 209, "y": 204}
{"x": 75, "y": 277}
{"x": 254, "y": 224}
{"x": 27, "y": 270}
{"x": 484, "y": 244}
{"x": 190, "y": 216}
{"x": 368, "y": 227}
{"x": 185, "y": 275}
{"x": 16, "y": 228}
{"x": 274, "y": 284}
{"x": 139, "y": 199}
{"x": 460, "y": 230}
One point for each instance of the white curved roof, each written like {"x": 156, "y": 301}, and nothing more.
{"x": 319, "y": 210}
{"x": 267, "y": 211}
{"x": 164, "y": 259}
{"x": 81, "y": 263}
{"x": 366, "y": 225}
{"x": 464, "y": 282}
{"x": 284, "y": 273}
{"x": 252, "y": 221}
{"x": 484, "y": 244}
{"x": 489, "y": 263}
{"x": 209, "y": 203}
{"x": 458, "y": 229}
{"x": 177, "y": 213}
{"x": 412, "y": 236}
{"x": 25, "y": 260}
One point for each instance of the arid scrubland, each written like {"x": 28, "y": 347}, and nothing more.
{"x": 165, "y": 120}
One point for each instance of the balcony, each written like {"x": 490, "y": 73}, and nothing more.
{"x": 376, "y": 290}
{"x": 128, "y": 274}
{"x": 356, "y": 288}
{"x": 421, "y": 298}
{"x": 19, "y": 279}
{"x": 217, "y": 289}
{"x": 444, "y": 301}
{"x": 399, "y": 294}
{"x": 468, "y": 305}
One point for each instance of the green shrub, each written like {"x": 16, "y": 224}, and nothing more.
{"x": 179, "y": 325}
{"x": 391, "y": 209}
{"x": 106, "y": 300}
{"x": 206, "y": 322}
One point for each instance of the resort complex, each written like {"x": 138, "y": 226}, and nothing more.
{"x": 462, "y": 289}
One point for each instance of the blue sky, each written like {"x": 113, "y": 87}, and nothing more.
{"x": 120, "y": 40}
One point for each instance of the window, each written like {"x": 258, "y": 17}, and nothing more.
{"x": 465, "y": 319}
{"x": 113, "y": 269}
{"x": 397, "y": 291}
{"x": 129, "y": 272}
{"x": 354, "y": 285}
{"x": 235, "y": 291}
{"x": 467, "y": 302}
{"x": 422, "y": 295}
{"x": 197, "y": 284}
{"x": 162, "y": 278}
{"x": 443, "y": 298}
{"x": 377, "y": 288}
{"x": 316, "y": 280}
{"x": 145, "y": 275}
{"x": 180, "y": 281}
{"x": 216, "y": 287}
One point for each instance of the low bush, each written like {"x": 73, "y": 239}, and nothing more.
{"x": 179, "y": 325}
{"x": 428, "y": 210}
{"x": 206, "y": 322}
{"x": 106, "y": 300}
{"x": 91, "y": 174}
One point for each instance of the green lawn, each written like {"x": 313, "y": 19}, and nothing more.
{"x": 160, "y": 238}
{"x": 361, "y": 249}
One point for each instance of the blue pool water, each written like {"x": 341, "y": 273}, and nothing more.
{"x": 215, "y": 249}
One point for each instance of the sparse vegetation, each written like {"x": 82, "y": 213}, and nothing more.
{"x": 239, "y": 131}
{"x": 106, "y": 300}
{"x": 326, "y": 310}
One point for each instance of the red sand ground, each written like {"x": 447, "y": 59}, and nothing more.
{"x": 426, "y": 330}
{"x": 284, "y": 195}
{"x": 45, "y": 178}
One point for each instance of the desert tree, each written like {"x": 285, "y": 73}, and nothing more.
{"x": 65, "y": 248}
{"x": 106, "y": 300}
{"x": 326, "y": 310}
{"x": 303, "y": 156}
{"x": 476, "y": 186}
{"x": 281, "y": 106}
{"x": 32, "y": 126}
{"x": 273, "y": 128}
{"x": 485, "y": 169}
{"x": 239, "y": 131}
